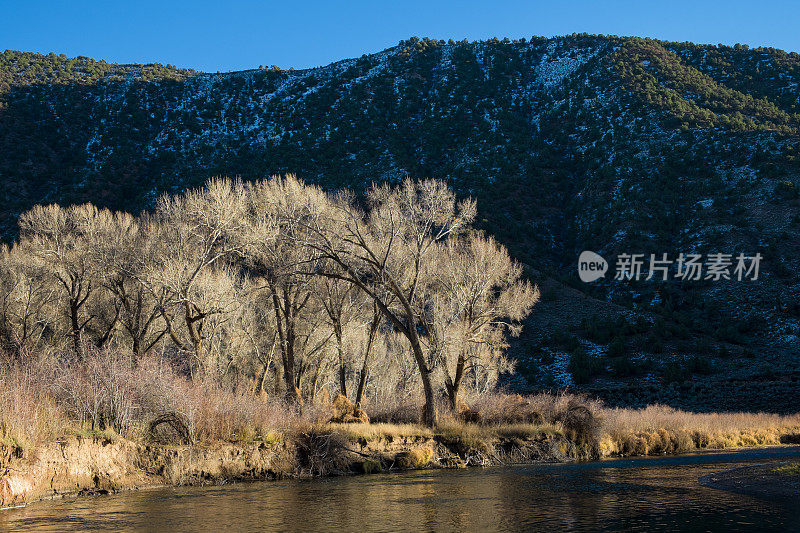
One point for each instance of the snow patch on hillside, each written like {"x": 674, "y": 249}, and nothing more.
{"x": 554, "y": 68}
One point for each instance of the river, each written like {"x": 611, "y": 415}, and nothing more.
{"x": 642, "y": 494}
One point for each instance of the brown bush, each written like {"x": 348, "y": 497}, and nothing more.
{"x": 28, "y": 414}
{"x": 322, "y": 454}
{"x": 415, "y": 458}
{"x": 580, "y": 424}
{"x": 496, "y": 409}
{"x": 169, "y": 428}
{"x": 341, "y": 407}
{"x": 470, "y": 416}
{"x": 342, "y": 410}
{"x": 358, "y": 416}
{"x": 499, "y": 408}
{"x": 104, "y": 390}
{"x": 399, "y": 412}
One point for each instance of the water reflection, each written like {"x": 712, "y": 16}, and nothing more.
{"x": 640, "y": 494}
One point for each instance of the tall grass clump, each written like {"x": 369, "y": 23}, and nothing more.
{"x": 661, "y": 429}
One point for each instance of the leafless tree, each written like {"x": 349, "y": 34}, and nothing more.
{"x": 479, "y": 298}
{"x": 387, "y": 253}
{"x": 125, "y": 249}
{"x": 190, "y": 277}
{"x": 277, "y": 215}
{"x": 276, "y": 282}
{"x": 58, "y": 240}
{"x": 26, "y": 293}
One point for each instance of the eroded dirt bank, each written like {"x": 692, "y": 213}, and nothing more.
{"x": 99, "y": 465}
{"x": 102, "y": 465}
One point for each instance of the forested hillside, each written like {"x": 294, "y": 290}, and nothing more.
{"x": 616, "y": 145}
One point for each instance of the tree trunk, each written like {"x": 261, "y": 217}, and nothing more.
{"x": 262, "y": 388}
{"x": 362, "y": 380}
{"x": 452, "y": 394}
{"x": 429, "y": 417}
{"x": 337, "y": 328}
{"x": 286, "y": 337}
{"x": 135, "y": 326}
{"x": 289, "y": 374}
{"x": 292, "y": 395}
{"x": 343, "y": 380}
{"x": 453, "y": 385}
{"x": 76, "y": 328}
{"x": 195, "y": 336}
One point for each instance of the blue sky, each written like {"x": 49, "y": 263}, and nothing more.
{"x": 233, "y": 34}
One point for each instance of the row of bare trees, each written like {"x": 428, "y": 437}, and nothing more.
{"x": 276, "y": 282}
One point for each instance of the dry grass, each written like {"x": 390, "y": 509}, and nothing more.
{"x": 473, "y": 432}
{"x": 216, "y": 414}
{"x": 450, "y": 429}
{"x": 378, "y": 431}
{"x": 501, "y": 409}
{"x": 661, "y": 429}
{"x": 397, "y": 411}
{"x": 106, "y": 395}
{"x": 415, "y": 457}
{"x": 601, "y": 431}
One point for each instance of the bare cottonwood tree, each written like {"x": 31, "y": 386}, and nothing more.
{"x": 190, "y": 276}
{"x": 277, "y": 214}
{"x": 58, "y": 239}
{"x": 480, "y": 297}
{"x": 125, "y": 249}
{"x": 387, "y": 253}
{"x": 339, "y": 300}
{"x": 375, "y": 319}
{"x": 278, "y": 283}
{"x": 259, "y": 336}
{"x": 26, "y": 292}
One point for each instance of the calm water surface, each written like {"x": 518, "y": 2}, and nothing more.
{"x": 624, "y": 494}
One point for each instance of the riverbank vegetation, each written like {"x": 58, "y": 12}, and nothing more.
{"x": 274, "y": 313}
{"x": 275, "y": 287}
{"x": 161, "y": 428}
{"x": 54, "y": 402}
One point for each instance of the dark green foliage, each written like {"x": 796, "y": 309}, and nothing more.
{"x": 787, "y": 190}
{"x": 617, "y": 348}
{"x": 675, "y": 372}
{"x": 562, "y": 340}
{"x": 661, "y": 77}
{"x": 27, "y": 68}
{"x": 698, "y": 364}
{"x": 623, "y": 367}
{"x": 584, "y": 366}
{"x": 682, "y": 370}
{"x": 654, "y": 344}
